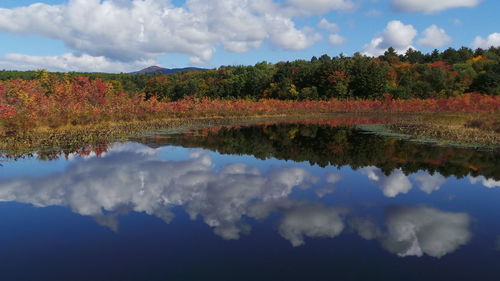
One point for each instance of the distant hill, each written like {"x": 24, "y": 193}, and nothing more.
{"x": 157, "y": 69}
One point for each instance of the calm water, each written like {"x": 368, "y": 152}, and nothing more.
{"x": 275, "y": 202}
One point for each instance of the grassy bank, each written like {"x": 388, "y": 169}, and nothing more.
{"x": 73, "y": 137}
{"x": 480, "y": 130}
{"x": 475, "y": 129}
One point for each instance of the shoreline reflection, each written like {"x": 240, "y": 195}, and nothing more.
{"x": 131, "y": 177}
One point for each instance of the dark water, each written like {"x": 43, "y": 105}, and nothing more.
{"x": 275, "y": 202}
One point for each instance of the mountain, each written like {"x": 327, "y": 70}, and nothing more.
{"x": 157, "y": 69}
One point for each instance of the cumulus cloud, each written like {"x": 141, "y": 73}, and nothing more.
{"x": 396, "y": 35}
{"x": 284, "y": 35}
{"x": 320, "y": 6}
{"x": 393, "y": 185}
{"x": 71, "y": 62}
{"x": 314, "y": 221}
{"x": 432, "y": 6}
{"x": 334, "y": 38}
{"x": 415, "y": 231}
{"x": 131, "y": 177}
{"x": 434, "y": 37}
{"x": 129, "y": 31}
{"x": 328, "y": 26}
{"x": 493, "y": 40}
{"x": 430, "y": 183}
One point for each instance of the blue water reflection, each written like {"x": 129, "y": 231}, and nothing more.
{"x": 242, "y": 202}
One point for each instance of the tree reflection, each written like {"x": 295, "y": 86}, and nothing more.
{"x": 325, "y": 145}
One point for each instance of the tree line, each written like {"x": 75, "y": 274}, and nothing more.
{"x": 414, "y": 74}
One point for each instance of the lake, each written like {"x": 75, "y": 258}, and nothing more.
{"x": 293, "y": 201}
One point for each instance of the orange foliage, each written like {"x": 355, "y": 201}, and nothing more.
{"x": 26, "y": 104}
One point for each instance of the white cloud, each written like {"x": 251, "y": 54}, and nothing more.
{"x": 336, "y": 40}
{"x": 285, "y": 36}
{"x": 139, "y": 30}
{"x": 430, "y": 183}
{"x": 315, "y": 221}
{"x": 70, "y": 62}
{"x": 320, "y": 6}
{"x": 396, "y": 35}
{"x": 434, "y": 37}
{"x": 432, "y": 6}
{"x": 493, "y": 40}
{"x": 393, "y": 185}
{"x": 415, "y": 231}
{"x": 328, "y": 26}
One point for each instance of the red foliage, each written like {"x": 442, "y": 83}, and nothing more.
{"x": 82, "y": 101}
{"x": 440, "y": 64}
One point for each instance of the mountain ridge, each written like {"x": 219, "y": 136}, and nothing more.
{"x": 157, "y": 69}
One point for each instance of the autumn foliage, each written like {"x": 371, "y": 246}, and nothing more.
{"x": 26, "y": 104}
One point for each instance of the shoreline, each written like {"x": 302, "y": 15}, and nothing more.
{"x": 438, "y": 128}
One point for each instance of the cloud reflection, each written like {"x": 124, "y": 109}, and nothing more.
{"x": 311, "y": 220}
{"x": 430, "y": 183}
{"x": 489, "y": 183}
{"x": 131, "y": 177}
{"x": 415, "y": 231}
{"x": 392, "y": 185}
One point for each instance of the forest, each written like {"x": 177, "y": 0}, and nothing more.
{"x": 449, "y": 73}
{"x": 449, "y": 82}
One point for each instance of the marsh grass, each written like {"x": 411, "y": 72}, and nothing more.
{"x": 478, "y": 130}
{"x": 468, "y": 129}
{"x": 71, "y": 138}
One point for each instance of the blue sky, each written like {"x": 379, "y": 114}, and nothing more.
{"x": 125, "y": 35}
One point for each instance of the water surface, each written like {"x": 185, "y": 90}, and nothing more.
{"x": 270, "y": 202}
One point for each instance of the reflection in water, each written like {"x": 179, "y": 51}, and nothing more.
{"x": 414, "y": 231}
{"x": 339, "y": 146}
{"x": 392, "y": 185}
{"x": 490, "y": 183}
{"x": 430, "y": 183}
{"x": 313, "y": 221}
{"x": 397, "y": 182}
{"x": 132, "y": 177}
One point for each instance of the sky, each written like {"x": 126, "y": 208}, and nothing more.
{"x": 128, "y": 35}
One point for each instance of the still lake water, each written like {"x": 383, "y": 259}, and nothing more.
{"x": 271, "y": 202}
